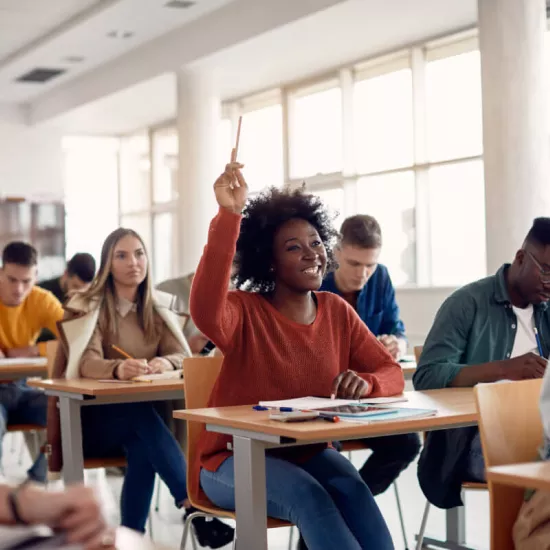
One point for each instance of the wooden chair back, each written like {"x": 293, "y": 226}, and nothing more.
{"x": 199, "y": 375}
{"x": 511, "y": 432}
{"x": 51, "y": 350}
{"x": 417, "y": 353}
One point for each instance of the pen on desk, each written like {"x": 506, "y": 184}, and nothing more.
{"x": 331, "y": 418}
{"x": 537, "y": 338}
{"x": 260, "y": 408}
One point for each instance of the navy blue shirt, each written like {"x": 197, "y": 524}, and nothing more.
{"x": 376, "y": 303}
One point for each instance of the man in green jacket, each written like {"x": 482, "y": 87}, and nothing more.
{"x": 494, "y": 329}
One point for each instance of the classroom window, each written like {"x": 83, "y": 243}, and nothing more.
{"x": 91, "y": 178}
{"x": 316, "y": 133}
{"x": 135, "y": 173}
{"x": 261, "y": 147}
{"x": 165, "y": 165}
{"x": 457, "y": 223}
{"x": 390, "y": 198}
{"x": 383, "y": 122}
{"x": 163, "y": 249}
{"x": 453, "y": 101}
{"x": 334, "y": 200}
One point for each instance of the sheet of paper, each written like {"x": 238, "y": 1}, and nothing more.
{"x": 169, "y": 375}
{"x": 383, "y": 400}
{"x": 399, "y": 414}
{"x": 14, "y": 361}
{"x": 309, "y": 403}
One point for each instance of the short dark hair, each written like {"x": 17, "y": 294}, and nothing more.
{"x": 82, "y": 265}
{"x": 19, "y": 253}
{"x": 539, "y": 232}
{"x": 362, "y": 231}
{"x": 262, "y": 217}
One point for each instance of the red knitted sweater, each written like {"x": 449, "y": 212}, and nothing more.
{"x": 268, "y": 356}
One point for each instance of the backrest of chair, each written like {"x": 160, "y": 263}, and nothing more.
{"x": 509, "y": 421}
{"x": 199, "y": 375}
{"x": 418, "y": 353}
{"x": 51, "y": 350}
{"x": 511, "y": 432}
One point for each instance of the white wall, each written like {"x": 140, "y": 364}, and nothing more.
{"x": 418, "y": 309}
{"x": 30, "y": 161}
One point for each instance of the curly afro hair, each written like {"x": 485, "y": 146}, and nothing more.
{"x": 262, "y": 217}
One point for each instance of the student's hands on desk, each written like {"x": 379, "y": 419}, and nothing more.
{"x": 231, "y": 188}
{"x": 130, "y": 368}
{"x": 391, "y": 343}
{"x": 349, "y": 385}
{"x": 75, "y": 511}
{"x": 27, "y": 351}
{"x": 523, "y": 367}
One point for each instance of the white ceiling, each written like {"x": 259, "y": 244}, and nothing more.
{"x": 53, "y": 30}
{"x": 24, "y": 21}
{"x": 347, "y": 32}
{"x": 343, "y": 33}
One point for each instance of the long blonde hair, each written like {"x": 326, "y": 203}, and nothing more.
{"x": 102, "y": 289}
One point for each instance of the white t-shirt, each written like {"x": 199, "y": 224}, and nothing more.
{"x": 525, "y": 335}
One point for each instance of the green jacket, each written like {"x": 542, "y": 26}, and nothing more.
{"x": 475, "y": 325}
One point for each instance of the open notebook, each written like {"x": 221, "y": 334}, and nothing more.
{"x": 314, "y": 403}
{"x": 168, "y": 375}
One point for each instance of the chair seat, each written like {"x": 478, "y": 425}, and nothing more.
{"x": 115, "y": 462}
{"x": 473, "y": 486}
{"x": 208, "y": 508}
{"x": 25, "y": 427}
{"x": 348, "y": 446}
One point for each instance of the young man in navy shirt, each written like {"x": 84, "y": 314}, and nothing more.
{"x": 366, "y": 285}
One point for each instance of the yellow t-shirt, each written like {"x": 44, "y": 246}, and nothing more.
{"x": 21, "y": 325}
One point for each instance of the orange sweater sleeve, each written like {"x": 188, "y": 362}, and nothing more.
{"x": 370, "y": 359}
{"x": 215, "y": 310}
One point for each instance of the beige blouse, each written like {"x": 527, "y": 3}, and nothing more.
{"x": 99, "y": 360}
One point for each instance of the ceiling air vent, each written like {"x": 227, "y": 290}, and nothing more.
{"x": 179, "y": 4}
{"x": 40, "y": 75}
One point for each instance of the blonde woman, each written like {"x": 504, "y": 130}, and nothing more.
{"x": 119, "y": 309}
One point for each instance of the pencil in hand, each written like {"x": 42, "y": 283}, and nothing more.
{"x": 122, "y": 352}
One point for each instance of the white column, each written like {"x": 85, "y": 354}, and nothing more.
{"x": 198, "y": 119}
{"x": 515, "y": 132}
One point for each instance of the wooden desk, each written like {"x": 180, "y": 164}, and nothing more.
{"x": 21, "y": 370}
{"x": 253, "y": 433}
{"x": 531, "y": 475}
{"x": 74, "y": 394}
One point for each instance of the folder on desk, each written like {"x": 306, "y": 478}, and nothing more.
{"x": 314, "y": 403}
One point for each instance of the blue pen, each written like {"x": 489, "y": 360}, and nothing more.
{"x": 286, "y": 409}
{"x": 260, "y": 408}
{"x": 539, "y": 345}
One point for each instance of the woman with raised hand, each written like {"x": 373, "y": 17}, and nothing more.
{"x": 281, "y": 339}
{"x": 119, "y": 329}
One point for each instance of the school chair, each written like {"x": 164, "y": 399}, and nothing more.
{"x": 199, "y": 375}
{"x": 466, "y": 486}
{"x": 511, "y": 433}
{"x": 31, "y": 432}
{"x": 349, "y": 447}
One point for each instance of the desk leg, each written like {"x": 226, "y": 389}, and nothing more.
{"x": 71, "y": 440}
{"x": 456, "y": 525}
{"x": 250, "y": 493}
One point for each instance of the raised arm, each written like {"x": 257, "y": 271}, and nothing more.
{"x": 217, "y": 312}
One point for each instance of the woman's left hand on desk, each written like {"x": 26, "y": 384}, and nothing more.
{"x": 160, "y": 364}
{"x": 349, "y": 385}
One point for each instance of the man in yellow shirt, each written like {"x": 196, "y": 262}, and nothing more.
{"x": 24, "y": 311}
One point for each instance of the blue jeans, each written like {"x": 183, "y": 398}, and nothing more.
{"x": 325, "y": 498}
{"x": 20, "y": 404}
{"x": 137, "y": 431}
